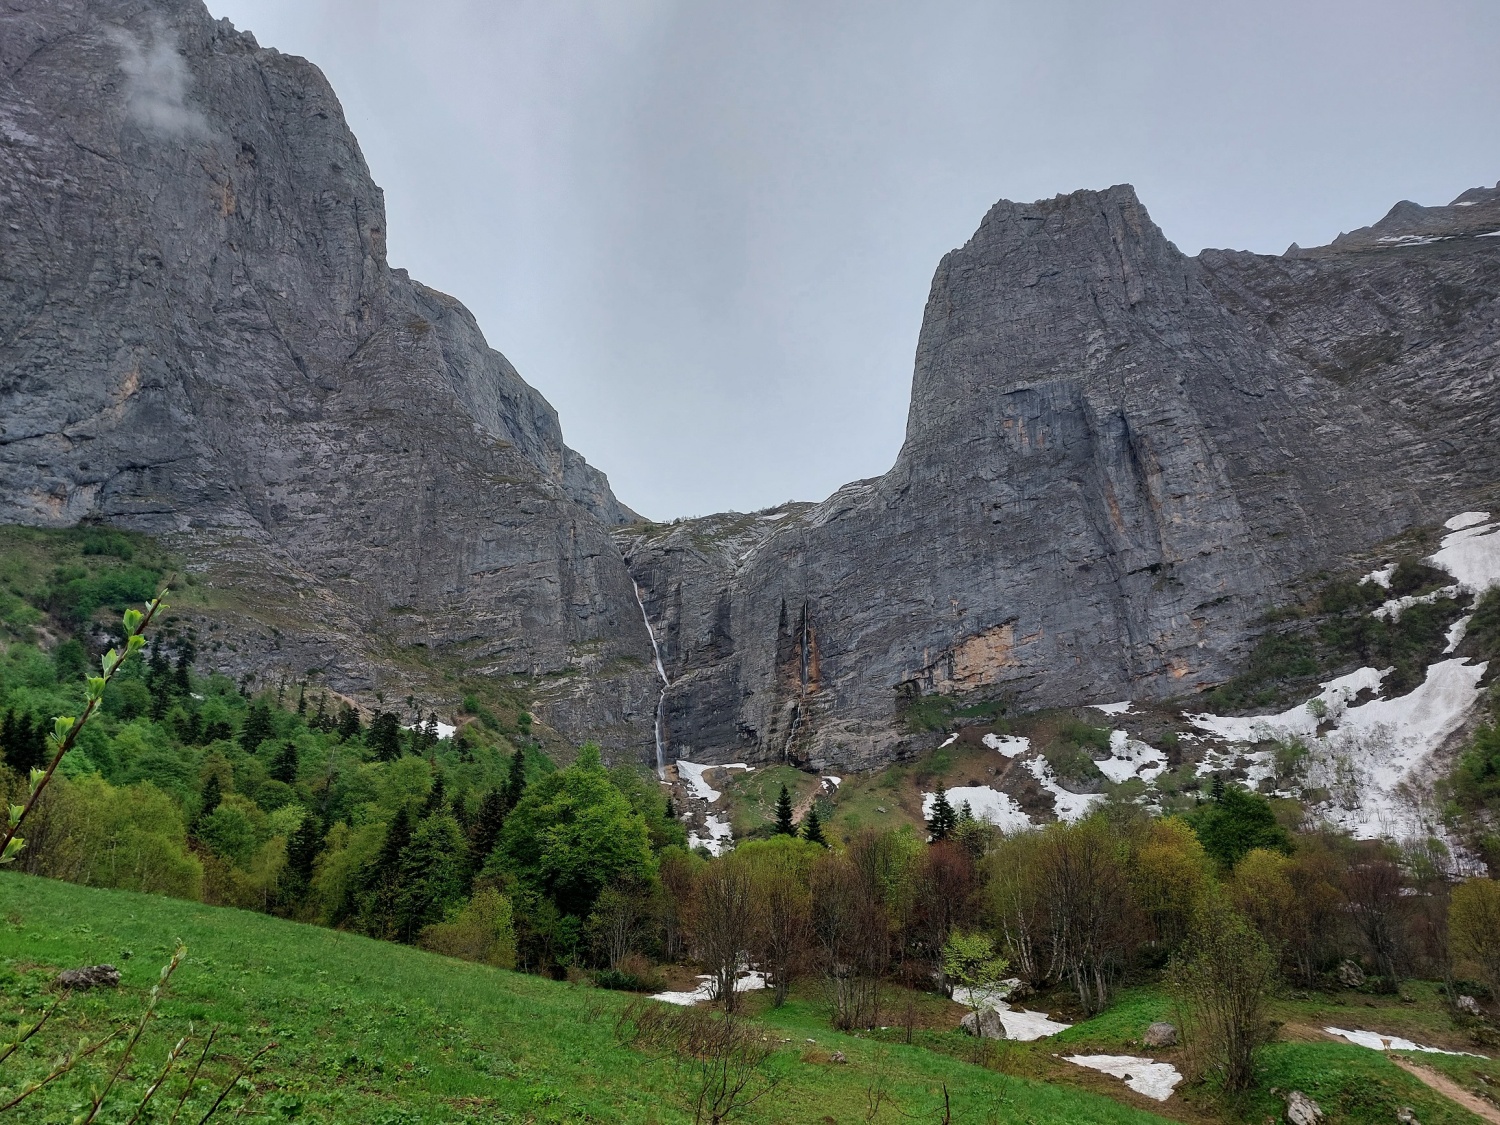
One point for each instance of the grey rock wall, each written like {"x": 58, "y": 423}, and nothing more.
{"x": 1117, "y": 458}
{"x": 201, "y": 337}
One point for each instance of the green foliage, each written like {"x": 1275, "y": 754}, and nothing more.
{"x": 1483, "y": 633}
{"x": 1235, "y": 823}
{"x": 969, "y": 960}
{"x": 942, "y": 820}
{"x": 572, "y": 834}
{"x": 483, "y": 931}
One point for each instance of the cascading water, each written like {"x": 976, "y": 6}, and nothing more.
{"x": 661, "y": 699}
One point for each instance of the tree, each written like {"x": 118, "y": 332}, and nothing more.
{"x": 852, "y": 938}
{"x": 380, "y": 880}
{"x": 572, "y": 835}
{"x": 1236, "y": 822}
{"x": 1092, "y": 917}
{"x": 303, "y": 847}
{"x": 942, "y": 820}
{"x": 283, "y": 767}
{"x": 784, "y": 823}
{"x": 486, "y": 827}
{"x": 257, "y": 726}
{"x": 1223, "y": 982}
{"x": 187, "y": 652}
{"x": 1169, "y": 875}
{"x": 616, "y": 922}
{"x": 782, "y": 907}
{"x": 348, "y": 723}
{"x": 941, "y": 886}
{"x": 1474, "y": 929}
{"x": 812, "y": 828}
{"x": 209, "y": 799}
{"x": 385, "y": 736}
{"x": 721, "y": 920}
{"x": 484, "y": 931}
{"x": 972, "y": 966}
{"x": 23, "y": 742}
{"x": 1376, "y": 895}
{"x": 515, "y": 782}
{"x": 430, "y": 878}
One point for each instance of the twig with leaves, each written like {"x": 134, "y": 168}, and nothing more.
{"x": 66, "y": 728}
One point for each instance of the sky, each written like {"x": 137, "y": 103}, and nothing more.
{"x": 705, "y": 230}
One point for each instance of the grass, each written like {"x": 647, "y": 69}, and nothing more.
{"x": 382, "y": 1034}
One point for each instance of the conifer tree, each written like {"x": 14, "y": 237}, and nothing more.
{"x": 671, "y": 813}
{"x": 784, "y": 825}
{"x": 437, "y": 798}
{"x": 284, "y": 766}
{"x": 486, "y": 828}
{"x": 257, "y": 726}
{"x": 812, "y": 828}
{"x": 187, "y": 652}
{"x": 385, "y": 736}
{"x": 515, "y": 784}
{"x": 302, "y": 699}
{"x": 23, "y": 742}
{"x": 209, "y": 800}
{"x": 348, "y": 725}
{"x": 965, "y": 813}
{"x": 943, "y": 820}
{"x": 320, "y": 720}
{"x": 303, "y": 848}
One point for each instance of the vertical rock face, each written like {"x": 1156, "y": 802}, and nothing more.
{"x": 200, "y": 336}
{"x": 1116, "y": 459}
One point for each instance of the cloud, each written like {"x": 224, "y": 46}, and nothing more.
{"x": 156, "y": 83}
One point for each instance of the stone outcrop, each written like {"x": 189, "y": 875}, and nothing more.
{"x": 1117, "y": 458}
{"x": 201, "y": 337}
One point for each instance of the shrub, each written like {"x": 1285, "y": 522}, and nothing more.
{"x": 483, "y": 930}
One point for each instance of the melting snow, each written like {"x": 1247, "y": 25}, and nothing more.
{"x": 1415, "y": 239}
{"x": 718, "y": 836}
{"x": 1024, "y": 1026}
{"x": 1144, "y": 1076}
{"x": 1471, "y": 554}
{"x": 1489, "y": 234}
{"x": 987, "y": 997}
{"x": 444, "y": 730}
{"x": 999, "y": 809}
{"x": 1396, "y": 606}
{"x": 950, "y": 740}
{"x": 1377, "y": 1041}
{"x": 748, "y": 981}
{"x": 1466, "y": 519}
{"x": 1130, "y": 758}
{"x": 835, "y": 781}
{"x": 1068, "y": 806}
{"x": 1008, "y": 744}
{"x": 692, "y": 773}
{"x": 1298, "y": 722}
{"x": 1381, "y": 577}
{"x": 1122, "y": 708}
{"x": 1456, "y": 632}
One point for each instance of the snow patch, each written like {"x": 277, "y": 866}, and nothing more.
{"x": 1456, "y": 632}
{"x": 1298, "y": 722}
{"x": 1122, "y": 708}
{"x": 1010, "y": 745}
{"x": 989, "y": 805}
{"x": 1466, "y": 519}
{"x": 1024, "y": 1026}
{"x": 835, "y": 782}
{"x": 1378, "y": 1041}
{"x": 692, "y": 773}
{"x": 1393, "y": 609}
{"x": 749, "y": 980}
{"x": 1130, "y": 758}
{"x": 1471, "y": 554}
{"x": 1381, "y": 577}
{"x": 444, "y": 730}
{"x": 1145, "y": 1076}
{"x": 717, "y": 838}
{"x": 1068, "y": 806}
{"x": 950, "y": 740}
{"x": 1415, "y": 239}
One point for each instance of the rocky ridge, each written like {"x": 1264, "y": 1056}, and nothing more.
{"x": 1117, "y": 459}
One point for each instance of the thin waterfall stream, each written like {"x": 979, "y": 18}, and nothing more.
{"x": 661, "y": 699}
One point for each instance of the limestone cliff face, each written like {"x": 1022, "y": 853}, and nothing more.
{"x": 1116, "y": 459}
{"x": 200, "y": 336}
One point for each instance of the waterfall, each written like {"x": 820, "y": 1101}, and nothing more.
{"x": 661, "y": 699}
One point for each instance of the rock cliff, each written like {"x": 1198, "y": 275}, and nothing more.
{"x": 201, "y": 337}
{"x": 1117, "y": 459}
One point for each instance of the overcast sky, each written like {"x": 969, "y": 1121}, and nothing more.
{"x": 705, "y": 230}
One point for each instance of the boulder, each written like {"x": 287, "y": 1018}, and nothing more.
{"x": 1469, "y": 1006}
{"x": 837, "y": 1057}
{"x": 1160, "y": 1034}
{"x": 90, "y": 976}
{"x": 1407, "y": 1116}
{"x": 1350, "y": 975}
{"x": 985, "y": 1023}
{"x": 1302, "y": 1110}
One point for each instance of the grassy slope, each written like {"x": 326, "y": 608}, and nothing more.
{"x": 371, "y": 1032}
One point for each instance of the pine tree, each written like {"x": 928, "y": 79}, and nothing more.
{"x": 348, "y": 725}
{"x": 284, "y": 766}
{"x": 486, "y": 827}
{"x": 388, "y": 860}
{"x": 158, "y": 668}
{"x": 210, "y": 798}
{"x": 303, "y": 848}
{"x": 965, "y": 813}
{"x": 784, "y": 825}
{"x": 302, "y": 699}
{"x": 320, "y": 720}
{"x": 437, "y": 798}
{"x": 385, "y": 736}
{"x": 671, "y": 813}
{"x": 458, "y": 809}
{"x": 812, "y": 828}
{"x": 257, "y": 726}
{"x": 187, "y": 652}
{"x": 23, "y": 742}
{"x": 515, "y": 784}
{"x": 942, "y": 821}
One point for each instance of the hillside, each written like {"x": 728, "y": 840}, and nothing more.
{"x": 370, "y": 1032}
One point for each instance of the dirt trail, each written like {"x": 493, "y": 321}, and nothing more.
{"x": 1449, "y": 1089}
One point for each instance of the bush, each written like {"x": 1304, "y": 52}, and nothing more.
{"x": 484, "y": 931}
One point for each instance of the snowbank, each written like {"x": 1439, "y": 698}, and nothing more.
{"x": 1144, "y": 1076}
{"x": 1130, "y": 758}
{"x": 1377, "y": 1041}
{"x": 1010, "y": 745}
{"x": 1067, "y": 805}
{"x": 444, "y": 730}
{"x": 692, "y": 773}
{"x": 748, "y": 981}
{"x": 1471, "y": 554}
{"x": 1024, "y": 1026}
{"x": 718, "y": 835}
{"x": 990, "y": 805}
{"x": 1122, "y": 708}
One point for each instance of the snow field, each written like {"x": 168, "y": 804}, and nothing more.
{"x": 1145, "y": 1076}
